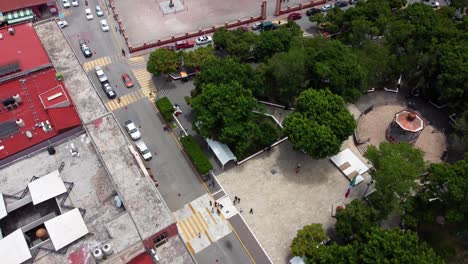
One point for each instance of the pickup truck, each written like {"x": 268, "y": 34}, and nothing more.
{"x": 132, "y": 130}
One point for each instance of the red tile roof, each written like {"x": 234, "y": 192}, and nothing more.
{"x": 10, "y": 5}
{"x": 23, "y": 47}
{"x": 60, "y": 119}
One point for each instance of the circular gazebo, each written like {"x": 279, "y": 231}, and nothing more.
{"x": 405, "y": 127}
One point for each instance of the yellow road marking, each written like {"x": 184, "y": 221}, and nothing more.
{"x": 195, "y": 221}
{"x": 209, "y": 238}
{"x": 190, "y": 248}
{"x": 183, "y": 230}
{"x": 90, "y": 65}
{"x": 189, "y": 230}
{"x": 191, "y": 225}
{"x": 125, "y": 100}
{"x": 211, "y": 215}
{"x": 203, "y": 219}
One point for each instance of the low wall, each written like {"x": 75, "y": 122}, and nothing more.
{"x": 299, "y": 7}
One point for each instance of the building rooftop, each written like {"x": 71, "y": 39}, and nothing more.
{"x": 29, "y": 105}
{"x": 24, "y": 47}
{"x": 409, "y": 121}
{"x": 17, "y": 4}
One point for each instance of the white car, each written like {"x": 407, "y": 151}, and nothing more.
{"x": 66, "y": 3}
{"x": 326, "y": 7}
{"x": 104, "y": 25}
{"x": 62, "y": 23}
{"x": 132, "y": 130}
{"x": 144, "y": 150}
{"x": 75, "y": 3}
{"x": 99, "y": 11}
{"x": 100, "y": 74}
{"x": 203, "y": 40}
{"x": 89, "y": 16}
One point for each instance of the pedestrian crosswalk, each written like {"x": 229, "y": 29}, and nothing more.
{"x": 195, "y": 224}
{"x": 124, "y": 100}
{"x": 90, "y": 65}
{"x": 144, "y": 78}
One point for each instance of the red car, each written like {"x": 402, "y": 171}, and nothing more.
{"x": 127, "y": 80}
{"x": 294, "y": 16}
{"x": 184, "y": 44}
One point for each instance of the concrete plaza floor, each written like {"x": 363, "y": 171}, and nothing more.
{"x": 145, "y": 21}
{"x": 283, "y": 201}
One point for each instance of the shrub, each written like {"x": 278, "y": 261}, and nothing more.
{"x": 196, "y": 154}
{"x": 187, "y": 99}
{"x": 166, "y": 108}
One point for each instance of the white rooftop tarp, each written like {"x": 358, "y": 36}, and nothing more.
{"x": 66, "y": 228}
{"x": 14, "y": 249}
{"x": 46, "y": 187}
{"x": 350, "y": 165}
{"x": 221, "y": 150}
{"x": 3, "y": 210}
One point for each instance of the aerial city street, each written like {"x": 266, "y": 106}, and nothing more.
{"x": 232, "y": 132}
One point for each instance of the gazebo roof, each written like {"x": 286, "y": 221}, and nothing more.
{"x": 409, "y": 121}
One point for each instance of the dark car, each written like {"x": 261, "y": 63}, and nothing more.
{"x": 313, "y": 11}
{"x": 341, "y": 4}
{"x": 294, "y": 16}
{"x": 108, "y": 90}
{"x": 85, "y": 49}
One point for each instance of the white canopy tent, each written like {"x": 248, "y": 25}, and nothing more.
{"x": 66, "y": 228}
{"x": 3, "y": 210}
{"x": 14, "y": 248}
{"x": 222, "y": 151}
{"x": 350, "y": 165}
{"x": 46, "y": 187}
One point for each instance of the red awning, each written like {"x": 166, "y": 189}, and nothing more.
{"x": 63, "y": 118}
{"x": 143, "y": 258}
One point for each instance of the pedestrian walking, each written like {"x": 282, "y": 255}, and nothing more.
{"x": 178, "y": 194}
{"x": 221, "y": 206}
{"x": 123, "y": 52}
{"x": 217, "y": 210}
{"x": 251, "y": 211}
{"x": 298, "y": 167}
{"x": 235, "y": 198}
{"x": 118, "y": 100}
{"x": 151, "y": 94}
{"x": 210, "y": 203}
{"x": 238, "y": 200}
{"x": 212, "y": 210}
{"x": 199, "y": 235}
{"x": 216, "y": 204}
{"x": 240, "y": 210}
{"x": 213, "y": 184}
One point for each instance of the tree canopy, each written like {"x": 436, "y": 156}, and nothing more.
{"x": 319, "y": 123}
{"x": 307, "y": 239}
{"x": 237, "y": 43}
{"x": 355, "y": 221}
{"x": 163, "y": 61}
{"x": 196, "y": 58}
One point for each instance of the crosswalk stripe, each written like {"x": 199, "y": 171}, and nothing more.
{"x": 184, "y": 232}
{"x": 90, "y": 65}
{"x": 189, "y": 246}
{"x": 197, "y": 224}
{"x": 203, "y": 219}
{"x": 189, "y": 220}
{"x": 211, "y": 215}
{"x": 190, "y": 230}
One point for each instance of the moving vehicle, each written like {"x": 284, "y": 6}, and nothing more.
{"x": 66, "y": 4}
{"x": 85, "y": 49}
{"x": 99, "y": 12}
{"x": 257, "y": 26}
{"x": 184, "y": 44}
{"x": 89, "y": 16}
{"x": 101, "y": 75}
{"x": 341, "y": 4}
{"x": 294, "y": 16}
{"x": 144, "y": 150}
{"x": 109, "y": 90}
{"x": 326, "y": 7}
{"x": 203, "y": 40}
{"x": 132, "y": 130}
{"x": 104, "y": 25}
{"x": 312, "y": 11}
{"x": 127, "y": 80}
{"x": 62, "y": 23}
{"x": 75, "y": 3}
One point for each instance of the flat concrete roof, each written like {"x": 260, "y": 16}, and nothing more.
{"x": 138, "y": 192}
{"x": 84, "y": 96}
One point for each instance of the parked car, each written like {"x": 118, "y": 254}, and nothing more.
{"x": 144, "y": 150}
{"x": 104, "y": 25}
{"x": 435, "y": 5}
{"x": 109, "y": 90}
{"x": 99, "y": 12}
{"x": 62, "y": 23}
{"x": 127, "y": 80}
{"x": 268, "y": 25}
{"x": 184, "y": 44}
{"x": 203, "y": 40}
{"x": 75, "y": 3}
{"x": 312, "y": 11}
{"x": 294, "y": 16}
{"x": 326, "y": 7}
{"x": 100, "y": 74}
{"x": 66, "y": 3}
{"x": 89, "y": 16}
{"x": 85, "y": 49}
{"x": 341, "y": 4}
{"x": 132, "y": 130}
{"x": 257, "y": 26}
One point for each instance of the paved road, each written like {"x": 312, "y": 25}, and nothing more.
{"x": 169, "y": 165}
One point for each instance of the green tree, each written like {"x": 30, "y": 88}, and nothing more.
{"x": 198, "y": 57}
{"x": 355, "y": 221}
{"x": 236, "y": 42}
{"x": 460, "y": 134}
{"x": 319, "y": 123}
{"x": 222, "y": 71}
{"x": 271, "y": 42}
{"x": 163, "y": 61}
{"x": 396, "y": 169}
{"x": 284, "y": 75}
{"x": 224, "y": 113}
{"x": 307, "y": 240}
